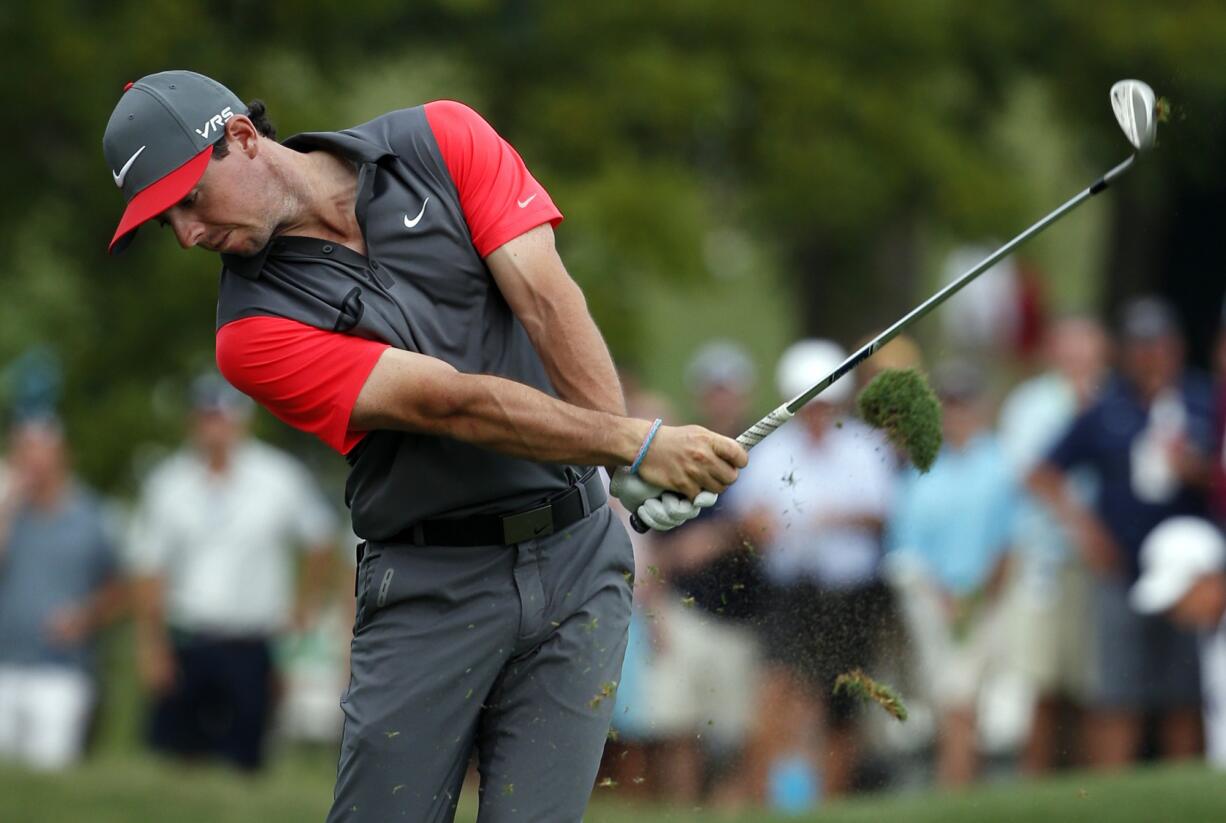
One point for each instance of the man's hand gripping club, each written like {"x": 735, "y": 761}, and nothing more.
{"x": 407, "y": 391}
{"x": 695, "y": 465}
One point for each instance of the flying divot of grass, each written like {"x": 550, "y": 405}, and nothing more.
{"x": 607, "y": 690}
{"x": 859, "y": 685}
{"x": 901, "y": 403}
{"x": 1162, "y": 110}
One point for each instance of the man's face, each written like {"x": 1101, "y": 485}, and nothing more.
{"x": 817, "y": 417}
{"x": 37, "y": 452}
{"x": 722, "y": 406}
{"x": 1204, "y": 604}
{"x": 961, "y": 420}
{"x": 215, "y": 431}
{"x": 234, "y": 207}
{"x": 1153, "y": 364}
{"x": 1078, "y": 349}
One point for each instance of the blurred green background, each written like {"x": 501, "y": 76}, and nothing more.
{"x": 756, "y": 171}
{"x": 751, "y": 170}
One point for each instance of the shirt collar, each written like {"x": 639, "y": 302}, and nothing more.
{"x": 345, "y": 143}
{"x": 249, "y": 267}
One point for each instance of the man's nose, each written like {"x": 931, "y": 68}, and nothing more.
{"x": 188, "y": 232}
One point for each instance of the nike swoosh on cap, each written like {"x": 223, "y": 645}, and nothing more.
{"x": 408, "y": 224}
{"x": 123, "y": 172}
{"x": 523, "y": 204}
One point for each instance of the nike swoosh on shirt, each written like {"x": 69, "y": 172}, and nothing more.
{"x": 523, "y": 204}
{"x": 408, "y": 224}
{"x": 123, "y": 172}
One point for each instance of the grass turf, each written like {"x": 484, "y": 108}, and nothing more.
{"x": 901, "y": 403}
{"x": 114, "y": 789}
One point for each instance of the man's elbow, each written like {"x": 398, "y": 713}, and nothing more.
{"x": 414, "y": 395}
{"x": 1039, "y": 478}
{"x": 441, "y": 402}
{"x": 424, "y": 413}
{"x": 1046, "y": 482}
{"x": 550, "y": 308}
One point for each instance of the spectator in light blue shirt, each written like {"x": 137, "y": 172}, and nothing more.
{"x": 949, "y": 539}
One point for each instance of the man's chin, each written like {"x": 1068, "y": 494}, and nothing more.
{"x": 243, "y": 246}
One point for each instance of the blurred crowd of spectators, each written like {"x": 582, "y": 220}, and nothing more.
{"x": 1034, "y": 598}
{"x": 226, "y": 565}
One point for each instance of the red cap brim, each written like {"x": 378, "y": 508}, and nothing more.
{"x": 156, "y": 198}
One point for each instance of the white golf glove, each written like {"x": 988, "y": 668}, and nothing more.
{"x": 655, "y": 507}
{"x": 631, "y": 489}
{"x": 668, "y": 511}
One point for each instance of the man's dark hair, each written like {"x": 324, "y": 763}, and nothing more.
{"x": 258, "y": 114}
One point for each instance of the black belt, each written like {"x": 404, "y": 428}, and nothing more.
{"x": 552, "y": 515}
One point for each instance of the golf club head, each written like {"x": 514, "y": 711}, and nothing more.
{"x": 1135, "y": 109}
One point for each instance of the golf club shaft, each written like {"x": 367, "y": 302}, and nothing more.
{"x": 759, "y": 431}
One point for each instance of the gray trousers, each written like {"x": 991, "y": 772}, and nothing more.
{"x": 509, "y": 651}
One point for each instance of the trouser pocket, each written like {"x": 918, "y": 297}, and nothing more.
{"x": 368, "y": 560}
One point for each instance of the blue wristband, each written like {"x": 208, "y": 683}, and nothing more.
{"x": 651, "y": 435}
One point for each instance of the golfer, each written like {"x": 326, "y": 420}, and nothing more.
{"x": 394, "y": 289}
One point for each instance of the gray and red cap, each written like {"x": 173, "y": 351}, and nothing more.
{"x": 159, "y": 141}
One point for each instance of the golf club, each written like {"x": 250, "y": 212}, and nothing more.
{"x": 1135, "y": 110}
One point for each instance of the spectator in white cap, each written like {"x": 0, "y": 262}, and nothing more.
{"x": 720, "y": 378}
{"x": 814, "y": 502}
{"x": 1183, "y": 575}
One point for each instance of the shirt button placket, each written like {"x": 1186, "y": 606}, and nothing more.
{"x": 378, "y": 275}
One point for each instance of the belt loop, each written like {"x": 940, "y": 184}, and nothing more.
{"x": 581, "y": 485}
{"x": 359, "y": 553}
{"x": 419, "y": 534}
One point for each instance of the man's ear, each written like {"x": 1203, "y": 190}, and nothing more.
{"x": 243, "y": 135}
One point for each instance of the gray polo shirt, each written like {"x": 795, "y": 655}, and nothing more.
{"x": 421, "y": 287}
{"x": 52, "y": 560}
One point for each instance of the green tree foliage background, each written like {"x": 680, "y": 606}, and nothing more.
{"x": 834, "y": 139}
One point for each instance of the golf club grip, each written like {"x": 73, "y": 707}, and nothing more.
{"x": 764, "y": 428}
{"x": 749, "y": 438}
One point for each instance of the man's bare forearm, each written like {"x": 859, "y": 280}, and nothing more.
{"x": 413, "y": 393}
{"x": 1047, "y": 484}
{"x": 1096, "y": 543}
{"x": 110, "y": 603}
{"x": 147, "y": 593}
{"x": 515, "y": 419}
{"x": 10, "y": 502}
{"x": 318, "y": 569}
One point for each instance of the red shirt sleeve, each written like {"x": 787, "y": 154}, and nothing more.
{"x": 307, "y": 377}
{"x": 500, "y": 198}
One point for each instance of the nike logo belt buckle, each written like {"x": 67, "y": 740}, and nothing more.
{"x": 527, "y": 525}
